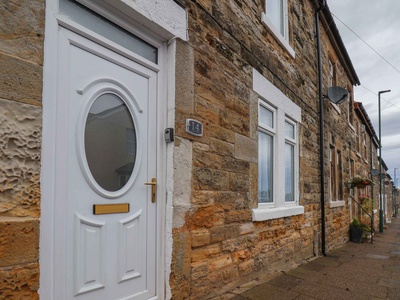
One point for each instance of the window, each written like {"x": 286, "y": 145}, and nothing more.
{"x": 352, "y": 168}
{"x": 278, "y": 153}
{"x": 276, "y": 11}
{"x": 332, "y": 74}
{"x": 290, "y": 144}
{"x": 266, "y": 134}
{"x": 336, "y": 177}
{"x": 351, "y": 107}
{"x": 333, "y": 186}
{"x": 276, "y": 20}
{"x": 365, "y": 151}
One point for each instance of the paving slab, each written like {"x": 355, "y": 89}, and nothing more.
{"x": 353, "y": 271}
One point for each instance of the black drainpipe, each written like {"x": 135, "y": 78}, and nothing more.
{"x": 321, "y": 128}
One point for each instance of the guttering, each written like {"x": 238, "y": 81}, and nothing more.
{"x": 321, "y": 126}
{"x": 338, "y": 42}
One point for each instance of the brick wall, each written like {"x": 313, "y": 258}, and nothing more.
{"x": 21, "y": 61}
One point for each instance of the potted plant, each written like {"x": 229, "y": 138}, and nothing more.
{"x": 356, "y": 231}
{"x": 359, "y": 182}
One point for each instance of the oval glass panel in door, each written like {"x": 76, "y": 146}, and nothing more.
{"x": 110, "y": 142}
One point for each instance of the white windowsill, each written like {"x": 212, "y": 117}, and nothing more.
{"x": 277, "y": 35}
{"x": 338, "y": 203}
{"x": 263, "y": 214}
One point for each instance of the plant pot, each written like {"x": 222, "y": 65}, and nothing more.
{"x": 356, "y": 234}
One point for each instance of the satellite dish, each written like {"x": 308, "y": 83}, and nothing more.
{"x": 337, "y": 94}
{"x": 375, "y": 172}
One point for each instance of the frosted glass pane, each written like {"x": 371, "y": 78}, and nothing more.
{"x": 289, "y": 172}
{"x": 265, "y": 168}
{"x": 100, "y": 25}
{"x": 289, "y": 130}
{"x": 274, "y": 12}
{"x": 266, "y": 116}
{"x": 110, "y": 142}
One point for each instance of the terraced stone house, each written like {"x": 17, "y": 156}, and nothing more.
{"x": 169, "y": 149}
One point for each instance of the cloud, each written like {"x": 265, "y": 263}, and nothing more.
{"x": 377, "y": 23}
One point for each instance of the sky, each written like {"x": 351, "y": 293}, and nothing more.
{"x": 377, "y": 22}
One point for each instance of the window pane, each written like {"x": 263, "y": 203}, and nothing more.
{"x": 274, "y": 12}
{"x": 109, "y": 30}
{"x": 265, "y": 167}
{"x": 289, "y": 130}
{"x": 108, "y": 132}
{"x": 266, "y": 117}
{"x": 289, "y": 172}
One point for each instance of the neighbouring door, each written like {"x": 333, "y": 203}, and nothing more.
{"x": 105, "y": 205}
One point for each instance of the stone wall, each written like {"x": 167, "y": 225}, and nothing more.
{"x": 216, "y": 243}
{"x": 21, "y": 61}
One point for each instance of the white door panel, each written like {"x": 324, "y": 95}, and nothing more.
{"x": 107, "y": 108}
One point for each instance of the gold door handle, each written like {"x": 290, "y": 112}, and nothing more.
{"x": 153, "y": 184}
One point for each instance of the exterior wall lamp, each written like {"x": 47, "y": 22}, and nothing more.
{"x": 380, "y": 163}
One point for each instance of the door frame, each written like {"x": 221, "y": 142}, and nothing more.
{"x": 159, "y": 38}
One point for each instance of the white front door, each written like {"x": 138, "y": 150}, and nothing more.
{"x": 105, "y": 214}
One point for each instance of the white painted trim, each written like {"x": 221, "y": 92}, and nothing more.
{"x": 169, "y": 182}
{"x": 273, "y": 95}
{"x": 275, "y": 32}
{"x": 165, "y": 17}
{"x": 262, "y": 214}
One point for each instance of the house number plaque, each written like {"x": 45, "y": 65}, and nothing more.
{"x": 194, "y": 127}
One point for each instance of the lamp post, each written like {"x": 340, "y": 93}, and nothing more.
{"x": 380, "y": 163}
{"x": 395, "y": 193}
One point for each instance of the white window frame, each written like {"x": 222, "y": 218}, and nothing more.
{"x": 286, "y": 110}
{"x": 338, "y": 167}
{"x": 271, "y": 131}
{"x": 282, "y": 39}
{"x": 293, "y": 142}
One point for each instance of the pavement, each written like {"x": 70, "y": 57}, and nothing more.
{"x": 353, "y": 271}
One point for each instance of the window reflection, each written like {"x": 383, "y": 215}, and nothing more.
{"x": 110, "y": 142}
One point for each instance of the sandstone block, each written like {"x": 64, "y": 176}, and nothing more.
{"x": 203, "y": 253}
{"x": 246, "y": 228}
{"x": 20, "y": 149}
{"x": 240, "y": 243}
{"x": 221, "y": 233}
{"x": 221, "y": 147}
{"x": 20, "y": 282}
{"x": 246, "y": 148}
{"x": 239, "y": 182}
{"x": 20, "y": 80}
{"x": 246, "y": 267}
{"x": 199, "y": 270}
{"x": 22, "y": 29}
{"x": 200, "y": 237}
{"x": 220, "y": 262}
{"x": 210, "y": 179}
{"x": 208, "y": 217}
{"x": 203, "y": 198}
{"x": 19, "y": 241}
